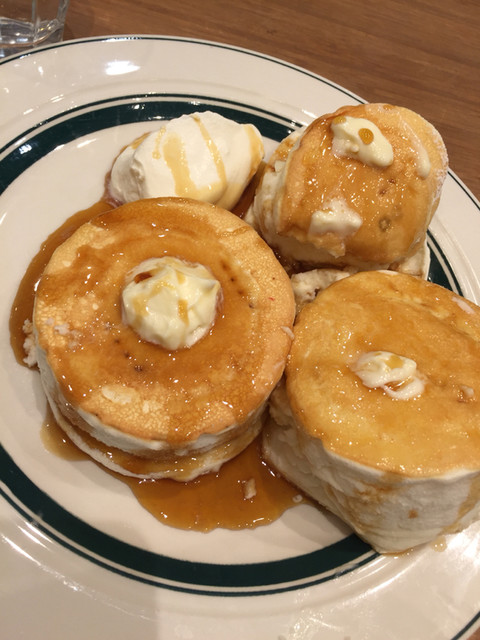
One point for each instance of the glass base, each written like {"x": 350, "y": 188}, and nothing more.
{"x": 17, "y": 36}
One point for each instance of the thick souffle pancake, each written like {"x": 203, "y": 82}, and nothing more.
{"x": 356, "y": 188}
{"x": 161, "y": 329}
{"x": 378, "y": 416}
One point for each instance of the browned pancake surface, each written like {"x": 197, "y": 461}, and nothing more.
{"x": 105, "y": 369}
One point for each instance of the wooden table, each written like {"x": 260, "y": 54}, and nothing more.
{"x": 420, "y": 54}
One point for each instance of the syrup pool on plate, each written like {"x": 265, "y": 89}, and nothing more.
{"x": 245, "y": 493}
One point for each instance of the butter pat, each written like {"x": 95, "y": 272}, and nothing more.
{"x": 335, "y": 217}
{"x": 395, "y": 374}
{"x": 170, "y": 302}
{"x": 203, "y": 156}
{"x": 362, "y": 140}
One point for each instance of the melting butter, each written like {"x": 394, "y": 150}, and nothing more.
{"x": 362, "y": 140}
{"x": 335, "y": 217}
{"x": 396, "y": 375}
{"x": 170, "y": 302}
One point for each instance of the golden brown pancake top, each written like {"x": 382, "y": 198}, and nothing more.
{"x": 436, "y": 432}
{"x": 395, "y": 203}
{"x": 161, "y": 394}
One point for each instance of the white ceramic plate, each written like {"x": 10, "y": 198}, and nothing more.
{"x": 78, "y": 556}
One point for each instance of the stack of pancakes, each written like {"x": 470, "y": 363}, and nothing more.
{"x": 133, "y": 405}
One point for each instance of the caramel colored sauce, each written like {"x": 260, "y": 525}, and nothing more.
{"x": 220, "y": 499}
{"x": 22, "y": 308}
{"x": 246, "y": 199}
{"x": 439, "y": 545}
{"x": 57, "y": 442}
{"x": 245, "y": 493}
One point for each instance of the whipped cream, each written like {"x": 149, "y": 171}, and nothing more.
{"x": 396, "y": 375}
{"x": 170, "y": 302}
{"x": 335, "y": 217}
{"x": 423, "y": 163}
{"x": 202, "y": 156}
{"x": 362, "y": 140}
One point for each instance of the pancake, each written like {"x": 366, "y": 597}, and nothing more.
{"x": 378, "y": 415}
{"x": 140, "y": 406}
{"x": 355, "y": 188}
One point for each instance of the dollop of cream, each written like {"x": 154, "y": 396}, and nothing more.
{"x": 201, "y": 155}
{"x": 423, "y": 163}
{"x": 170, "y": 302}
{"x": 396, "y": 375}
{"x": 362, "y": 140}
{"x": 335, "y": 217}
{"x": 463, "y": 304}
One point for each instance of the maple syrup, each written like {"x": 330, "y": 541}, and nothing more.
{"x": 244, "y": 493}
